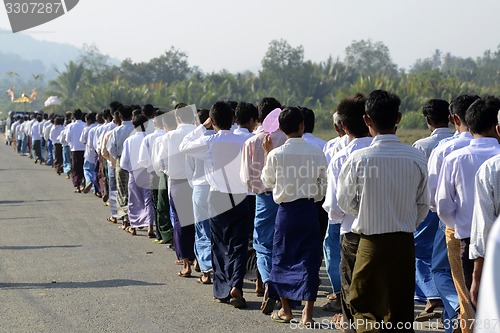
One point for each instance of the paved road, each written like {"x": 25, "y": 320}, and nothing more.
{"x": 63, "y": 268}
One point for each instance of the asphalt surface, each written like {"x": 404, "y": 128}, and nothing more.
{"x": 64, "y": 268}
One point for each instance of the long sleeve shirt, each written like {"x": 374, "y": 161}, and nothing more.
{"x": 339, "y": 144}
{"x": 55, "y": 132}
{"x": 90, "y": 154}
{"x": 313, "y": 140}
{"x": 295, "y": 170}
{"x": 221, "y": 154}
{"x": 73, "y": 134}
{"x": 385, "y": 185}
{"x": 118, "y": 137}
{"x": 252, "y": 160}
{"x": 335, "y": 214}
{"x": 486, "y": 205}
{"x": 455, "y": 190}
{"x": 146, "y": 149}
{"x": 426, "y": 145}
{"x": 436, "y": 161}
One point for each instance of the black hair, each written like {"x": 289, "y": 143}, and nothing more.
{"x": 91, "y": 117}
{"x": 77, "y": 114}
{"x": 46, "y": 116}
{"x": 309, "y": 119}
{"x": 437, "y": 111}
{"x": 221, "y": 114}
{"x": 149, "y": 111}
{"x": 59, "y": 121}
{"x": 266, "y": 105}
{"x": 482, "y": 115}
{"x": 39, "y": 118}
{"x": 100, "y": 118}
{"x": 290, "y": 119}
{"x": 180, "y": 105}
{"x": 114, "y": 106}
{"x": 383, "y": 109}
{"x": 136, "y": 112}
{"x": 461, "y": 103}
{"x": 350, "y": 113}
{"x": 116, "y": 118}
{"x": 139, "y": 122}
{"x": 244, "y": 112}
{"x": 233, "y": 105}
{"x": 203, "y": 115}
{"x": 106, "y": 113}
{"x": 125, "y": 112}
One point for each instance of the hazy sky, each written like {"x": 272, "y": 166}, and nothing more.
{"x": 234, "y": 35}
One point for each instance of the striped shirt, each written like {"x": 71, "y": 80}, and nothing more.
{"x": 486, "y": 205}
{"x": 385, "y": 185}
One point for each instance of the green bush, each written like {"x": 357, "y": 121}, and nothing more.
{"x": 413, "y": 120}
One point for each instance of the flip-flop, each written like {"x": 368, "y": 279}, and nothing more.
{"x": 268, "y": 306}
{"x": 238, "y": 302}
{"x": 112, "y": 219}
{"x": 184, "y": 275}
{"x": 275, "y": 316}
{"x": 425, "y": 316}
{"x": 200, "y": 280}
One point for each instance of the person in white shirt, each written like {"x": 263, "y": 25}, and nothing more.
{"x": 73, "y": 134}
{"x": 46, "y": 135}
{"x": 337, "y": 126}
{"x": 90, "y": 156}
{"x": 488, "y": 308}
{"x": 246, "y": 116}
{"x": 446, "y": 248}
{"x": 385, "y": 185}
{"x": 296, "y": 171}
{"x": 228, "y": 205}
{"x": 37, "y": 140}
{"x": 436, "y": 113}
{"x": 181, "y": 193}
{"x": 455, "y": 195}
{"x": 341, "y": 244}
{"x": 55, "y": 132}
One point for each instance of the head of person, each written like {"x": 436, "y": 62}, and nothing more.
{"x": 291, "y": 122}
{"x": 246, "y": 115}
{"x": 203, "y": 115}
{"x": 136, "y": 112}
{"x": 185, "y": 115}
{"x": 100, "y": 118}
{"x": 436, "y": 113}
{"x": 266, "y": 105}
{"x": 337, "y": 124}
{"x": 458, "y": 108}
{"x": 59, "y": 121}
{"x": 77, "y": 114}
{"x": 309, "y": 119}
{"x": 125, "y": 112}
{"x": 39, "y": 117}
{"x": 221, "y": 114}
{"x": 350, "y": 113}
{"x": 108, "y": 116}
{"x": 114, "y": 106}
{"x": 117, "y": 118}
{"x": 158, "y": 119}
{"x": 149, "y": 111}
{"x": 382, "y": 112}
{"x": 90, "y": 118}
{"x": 482, "y": 117}
{"x": 45, "y": 116}
{"x": 140, "y": 123}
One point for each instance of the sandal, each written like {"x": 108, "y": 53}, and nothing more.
{"x": 268, "y": 306}
{"x": 112, "y": 219}
{"x": 131, "y": 231}
{"x": 184, "y": 275}
{"x": 200, "y": 280}
{"x": 275, "y": 316}
{"x": 425, "y": 316}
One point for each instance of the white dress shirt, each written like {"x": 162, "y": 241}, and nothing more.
{"x": 46, "y": 130}
{"x": 385, "y": 185}
{"x": 172, "y": 159}
{"x": 130, "y": 154}
{"x": 436, "y": 161}
{"x": 340, "y": 144}
{"x": 35, "y": 132}
{"x": 313, "y": 140}
{"x": 90, "y": 154}
{"x": 486, "y": 205}
{"x": 243, "y": 131}
{"x": 295, "y": 170}
{"x": 455, "y": 190}
{"x": 55, "y": 132}
{"x": 99, "y": 135}
{"x": 330, "y": 144}
{"x": 426, "y": 145}
{"x": 195, "y": 169}
{"x": 488, "y": 307}
{"x": 335, "y": 214}
{"x": 221, "y": 154}
{"x": 73, "y": 134}
{"x": 146, "y": 149}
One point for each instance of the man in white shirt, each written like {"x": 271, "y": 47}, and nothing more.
{"x": 90, "y": 155}
{"x": 331, "y": 143}
{"x": 73, "y": 134}
{"x": 46, "y": 135}
{"x": 385, "y": 185}
{"x": 436, "y": 113}
{"x": 228, "y": 205}
{"x": 296, "y": 171}
{"x": 55, "y": 132}
{"x": 341, "y": 244}
{"x": 37, "y": 139}
{"x": 454, "y": 195}
{"x": 181, "y": 193}
{"x": 246, "y": 116}
{"x": 446, "y": 248}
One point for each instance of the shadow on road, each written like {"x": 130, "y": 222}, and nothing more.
{"x": 38, "y": 247}
{"x": 13, "y": 202}
{"x": 76, "y": 285}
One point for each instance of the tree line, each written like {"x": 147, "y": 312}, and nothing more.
{"x": 91, "y": 82}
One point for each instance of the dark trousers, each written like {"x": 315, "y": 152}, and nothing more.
{"x": 153, "y": 185}
{"x": 348, "y": 248}
{"x": 77, "y": 160}
{"x": 58, "y": 158}
{"x": 163, "y": 223}
{"x": 467, "y": 264}
{"x": 37, "y": 149}
{"x": 323, "y": 222}
{"x": 383, "y": 283}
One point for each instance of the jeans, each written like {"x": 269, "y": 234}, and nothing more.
{"x": 331, "y": 251}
